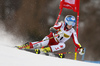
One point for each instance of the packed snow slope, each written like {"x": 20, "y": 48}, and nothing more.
{"x": 10, "y": 56}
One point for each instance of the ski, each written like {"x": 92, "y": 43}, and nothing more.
{"x": 38, "y": 51}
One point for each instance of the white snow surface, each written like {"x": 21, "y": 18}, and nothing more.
{"x": 10, "y": 56}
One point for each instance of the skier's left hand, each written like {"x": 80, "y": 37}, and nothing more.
{"x": 81, "y": 51}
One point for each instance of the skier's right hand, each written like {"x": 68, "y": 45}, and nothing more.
{"x": 81, "y": 51}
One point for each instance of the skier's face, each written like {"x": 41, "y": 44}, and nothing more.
{"x": 69, "y": 26}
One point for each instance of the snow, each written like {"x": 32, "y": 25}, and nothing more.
{"x": 10, "y": 56}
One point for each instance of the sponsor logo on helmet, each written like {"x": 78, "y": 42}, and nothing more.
{"x": 73, "y": 18}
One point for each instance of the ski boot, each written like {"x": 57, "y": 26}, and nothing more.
{"x": 45, "y": 50}
{"x": 24, "y": 46}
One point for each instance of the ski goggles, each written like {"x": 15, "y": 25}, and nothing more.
{"x": 70, "y": 23}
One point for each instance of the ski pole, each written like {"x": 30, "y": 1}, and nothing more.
{"x": 66, "y": 53}
{"x": 51, "y": 37}
{"x": 62, "y": 55}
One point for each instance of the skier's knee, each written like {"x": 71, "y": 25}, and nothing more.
{"x": 36, "y": 44}
{"x": 45, "y": 38}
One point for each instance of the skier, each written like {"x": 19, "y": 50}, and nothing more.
{"x": 59, "y": 34}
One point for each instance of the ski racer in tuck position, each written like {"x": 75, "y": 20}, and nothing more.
{"x": 59, "y": 34}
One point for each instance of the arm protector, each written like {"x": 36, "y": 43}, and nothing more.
{"x": 53, "y": 30}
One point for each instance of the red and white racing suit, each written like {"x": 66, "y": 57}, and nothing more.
{"x": 58, "y": 43}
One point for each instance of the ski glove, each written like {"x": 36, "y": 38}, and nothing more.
{"x": 60, "y": 33}
{"x": 53, "y": 30}
{"x": 81, "y": 51}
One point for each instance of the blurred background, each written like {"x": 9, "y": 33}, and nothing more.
{"x": 30, "y": 20}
